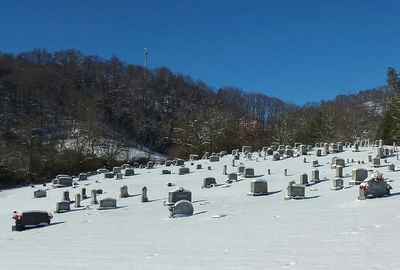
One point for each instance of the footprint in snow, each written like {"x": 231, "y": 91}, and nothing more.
{"x": 290, "y": 264}
{"x": 152, "y": 256}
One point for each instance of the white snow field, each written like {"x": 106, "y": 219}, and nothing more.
{"x": 229, "y": 229}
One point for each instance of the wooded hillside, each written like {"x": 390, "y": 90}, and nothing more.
{"x": 67, "y": 112}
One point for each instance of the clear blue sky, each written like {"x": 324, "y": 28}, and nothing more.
{"x": 296, "y": 50}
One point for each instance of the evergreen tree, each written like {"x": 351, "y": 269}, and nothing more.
{"x": 394, "y": 108}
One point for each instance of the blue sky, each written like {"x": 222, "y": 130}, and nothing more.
{"x": 296, "y": 50}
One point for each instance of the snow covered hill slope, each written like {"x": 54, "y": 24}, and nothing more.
{"x": 229, "y": 229}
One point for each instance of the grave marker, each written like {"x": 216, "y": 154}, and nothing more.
{"x": 258, "y": 187}
{"x": 123, "y": 192}
{"x": 144, "y": 195}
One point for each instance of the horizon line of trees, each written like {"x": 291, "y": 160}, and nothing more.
{"x": 65, "y": 112}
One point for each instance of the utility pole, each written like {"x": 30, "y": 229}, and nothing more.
{"x": 146, "y": 52}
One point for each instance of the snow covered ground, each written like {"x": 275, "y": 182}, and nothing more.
{"x": 229, "y": 230}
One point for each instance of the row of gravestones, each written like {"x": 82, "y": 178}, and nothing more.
{"x": 63, "y": 180}
{"x": 64, "y": 204}
{"x": 294, "y": 191}
{"x": 180, "y": 199}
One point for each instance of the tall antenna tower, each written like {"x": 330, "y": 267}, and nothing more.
{"x": 146, "y": 52}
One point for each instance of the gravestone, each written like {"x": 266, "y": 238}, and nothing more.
{"x": 288, "y": 152}
{"x": 333, "y": 148}
{"x": 315, "y": 176}
{"x": 123, "y": 192}
{"x": 379, "y": 153}
{"x": 82, "y": 176}
{"x": 339, "y": 171}
{"x": 183, "y": 170}
{"x": 315, "y": 163}
{"x": 319, "y": 152}
{"x": 246, "y": 149}
{"x": 369, "y": 158}
{"x": 179, "y": 162}
{"x": 373, "y": 189}
{"x": 198, "y": 166}
{"x": 65, "y": 196}
{"x": 249, "y": 156}
{"x": 129, "y": 171}
{"x": 241, "y": 169}
{"x": 108, "y": 203}
{"x": 150, "y": 165}
{"x": 355, "y": 148}
{"x": 224, "y": 171}
{"x": 304, "y": 179}
{"x": 94, "y": 197}
{"x": 179, "y": 194}
{"x": 144, "y": 197}
{"x": 214, "y": 158}
{"x": 376, "y": 162}
{"x": 209, "y": 182}
{"x": 258, "y": 187}
{"x": 276, "y": 156}
{"x": 232, "y": 177}
{"x": 338, "y": 162}
{"x": 83, "y": 194}
{"x": 233, "y": 163}
{"x": 358, "y": 176}
{"x": 99, "y": 191}
{"x": 248, "y": 172}
{"x": 109, "y": 175}
{"x": 386, "y": 152}
{"x": 168, "y": 163}
{"x": 124, "y": 166}
{"x": 193, "y": 157}
{"x": 295, "y": 191}
{"x": 77, "y": 200}
{"x": 182, "y": 208}
{"x": 337, "y": 184}
{"x": 391, "y": 167}
{"x": 326, "y": 147}
{"x": 63, "y": 206}
{"x": 63, "y": 181}
{"x": 381, "y": 143}
{"x": 302, "y": 150}
{"x": 40, "y": 193}
{"x": 340, "y": 147}
{"x": 119, "y": 176}
{"x": 135, "y": 164}
{"x": 285, "y": 172}
{"x": 101, "y": 170}
{"x": 270, "y": 152}
{"x": 166, "y": 172}
{"x": 117, "y": 170}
